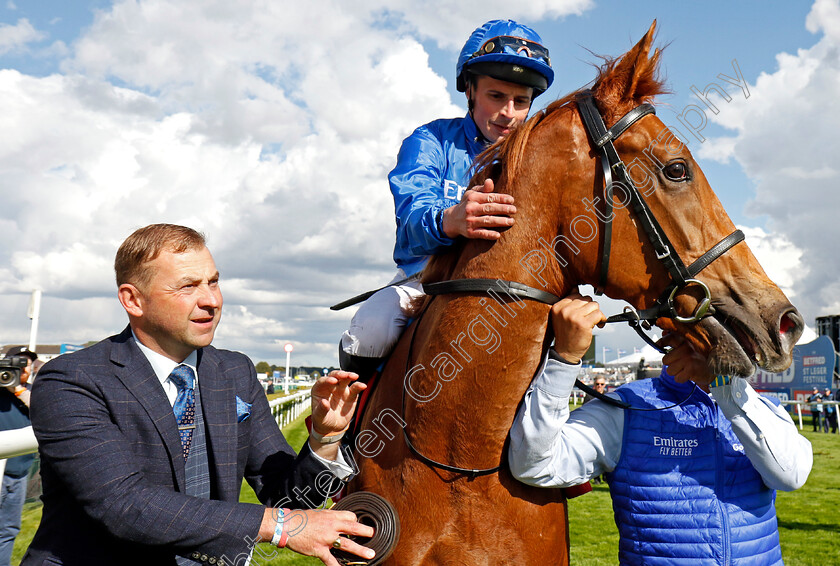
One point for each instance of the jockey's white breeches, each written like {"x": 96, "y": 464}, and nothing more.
{"x": 379, "y": 322}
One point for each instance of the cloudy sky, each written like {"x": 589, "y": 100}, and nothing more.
{"x": 271, "y": 126}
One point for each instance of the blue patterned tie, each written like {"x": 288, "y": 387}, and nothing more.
{"x": 184, "y": 408}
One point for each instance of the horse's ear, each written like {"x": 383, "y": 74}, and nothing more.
{"x": 632, "y": 79}
{"x": 638, "y": 63}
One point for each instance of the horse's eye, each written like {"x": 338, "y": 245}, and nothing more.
{"x": 676, "y": 171}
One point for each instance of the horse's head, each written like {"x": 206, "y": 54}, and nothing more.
{"x": 752, "y": 321}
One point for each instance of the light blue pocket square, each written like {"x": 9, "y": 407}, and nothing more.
{"x": 243, "y": 410}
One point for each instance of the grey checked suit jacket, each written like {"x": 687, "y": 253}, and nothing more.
{"x": 113, "y": 471}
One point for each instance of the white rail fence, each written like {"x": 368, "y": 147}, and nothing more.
{"x": 16, "y": 443}
{"x": 287, "y": 409}
{"x": 799, "y": 404}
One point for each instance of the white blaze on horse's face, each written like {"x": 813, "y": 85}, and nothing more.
{"x": 499, "y": 106}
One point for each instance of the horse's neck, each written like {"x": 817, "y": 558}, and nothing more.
{"x": 479, "y": 353}
{"x": 523, "y": 254}
{"x": 481, "y": 350}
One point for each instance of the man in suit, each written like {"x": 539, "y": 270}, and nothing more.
{"x": 145, "y": 437}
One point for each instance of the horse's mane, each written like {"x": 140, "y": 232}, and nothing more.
{"x": 617, "y": 88}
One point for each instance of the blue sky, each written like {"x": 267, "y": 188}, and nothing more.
{"x": 272, "y": 126}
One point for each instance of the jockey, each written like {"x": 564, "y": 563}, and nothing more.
{"x": 502, "y": 68}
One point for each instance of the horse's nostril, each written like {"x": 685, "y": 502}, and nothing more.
{"x": 790, "y": 322}
{"x": 786, "y": 325}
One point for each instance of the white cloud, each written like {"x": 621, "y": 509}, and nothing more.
{"x": 266, "y": 125}
{"x": 784, "y": 141}
{"x": 717, "y": 149}
{"x": 780, "y": 258}
{"x": 16, "y": 37}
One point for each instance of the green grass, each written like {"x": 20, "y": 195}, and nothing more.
{"x": 809, "y": 518}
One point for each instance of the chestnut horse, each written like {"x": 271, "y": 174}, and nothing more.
{"x": 453, "y": 384}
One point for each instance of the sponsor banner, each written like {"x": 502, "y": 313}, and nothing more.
{"x": 813, "y": 366}
{"x": 780, "y": 394}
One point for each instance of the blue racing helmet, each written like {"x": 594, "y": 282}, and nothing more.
{"x": 508, "y": 51}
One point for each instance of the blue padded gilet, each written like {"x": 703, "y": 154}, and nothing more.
{"x": 683, "y": 490}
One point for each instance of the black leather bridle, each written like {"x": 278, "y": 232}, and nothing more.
{"x": 682, "y": 277}
{"x": 615, "y": 173}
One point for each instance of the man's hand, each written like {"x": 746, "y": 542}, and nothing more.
{"x": 334, "y": 399}
{"x": 685, "y": 363}
{"x": 573, "y": 319}
{"x": 312, "y": 532}
{"x": 479, "y": 214}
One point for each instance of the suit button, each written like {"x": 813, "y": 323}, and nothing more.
{"x": 211, "y": 560}
{"x": 203, "y": 558}
{"x": 196, "y": 555}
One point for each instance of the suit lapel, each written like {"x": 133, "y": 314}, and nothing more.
{"x": 134, "y": 371}
{"x": 218, "y": 403}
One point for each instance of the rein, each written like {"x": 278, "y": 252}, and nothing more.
{"x": 375, "y": 511}
{"x": 513, "y": 288}
{"x": 469, "y": 472}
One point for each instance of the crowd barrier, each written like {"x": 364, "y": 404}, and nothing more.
{"x": 800, "y": 403}
{"x": 16, "y": 443}
{"x": 287, "y": 409}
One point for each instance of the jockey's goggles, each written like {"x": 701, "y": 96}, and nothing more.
{"x": 509, "y": 45}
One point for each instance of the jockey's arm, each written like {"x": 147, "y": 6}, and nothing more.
{"x": 416, "y": 185}
{"x": 427, "y": 219}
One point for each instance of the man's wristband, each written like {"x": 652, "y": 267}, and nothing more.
{"x": 327, "y": 439}
{"x": 19, "y": 391}
{"x": 281, "y": 535}
{"x": 720, "y": 380}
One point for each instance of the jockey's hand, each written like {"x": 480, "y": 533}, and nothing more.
{"x": 480, "y": 214}
{"x": 333, "y": 400}
{"x": 573, "y": 319}
{"x": 685, "y": 363}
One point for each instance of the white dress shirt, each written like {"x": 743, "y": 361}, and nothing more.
{"x": 551, "y": 446}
